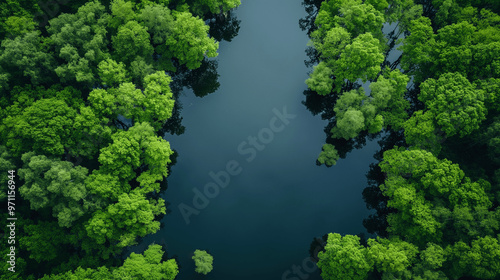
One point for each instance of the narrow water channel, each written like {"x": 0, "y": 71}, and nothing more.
{"x": 262, "y": 223}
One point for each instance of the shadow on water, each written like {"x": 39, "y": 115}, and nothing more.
{"x": 224, "y": 27}
{"x": 372, "y": 195}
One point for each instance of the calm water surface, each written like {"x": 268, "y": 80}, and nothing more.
{"x": 263, "y": 222}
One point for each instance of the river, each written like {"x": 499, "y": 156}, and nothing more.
{"x": 260, "y": 225}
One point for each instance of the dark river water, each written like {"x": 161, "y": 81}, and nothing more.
{"x": 256, "y": 137}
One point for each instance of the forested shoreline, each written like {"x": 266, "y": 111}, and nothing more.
{"x": 435, "y": 106}
{"x": 89, "y": 94}
{"x": 86, "y": 98}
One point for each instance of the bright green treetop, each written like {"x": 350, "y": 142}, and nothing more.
{"x": 159, "y": 22}
{"x": 349, "y": 124}
{"x": 153, "y": 104}
{"x": 121, "y": 12}
{"x": 344, "y": 258}
{"x": 416, "y": 183}
{"x": 321, "y": 79}
{"x": 112, "y": 73}
{"x": 391, "y": 255}
{"x": 136, "y": 148}
{"x": 359, "y": 18}
{"x": 388, "y": 96}
{"x": 203, "y": 262}
{"x": 360, "y": 60}
{"x": 18, "y": 25}
{"x": 188, "y": 41}
{"x": 453, "y": 106}
{"x": 145, "y": 266}
{"x": 457, "y": 106}
{"x": 131, "y": 217}
{"x": 45, "y": 127}
{"x": 13, "y": 10}
{"x": 479, "y": 259}
{"x": 332, "y": 45}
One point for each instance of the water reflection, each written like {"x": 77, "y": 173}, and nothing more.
{"x": 204, "y": 80}
{"x": 323, "y": 106}
{"x": 377, "y": 223}
{"x": 312, "y": 8}
{"x": 224, "y": 26}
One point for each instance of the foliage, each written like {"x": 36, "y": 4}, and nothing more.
{"x": 391, "y": 256}
{"x": 45, "y": 241}
{"x": 85, "y": 99}
{"x": 121, "y": 223}
{"x": 45, "y": 126}
{"x": 148, "y": 265}
{"x": 153, "y": 104}
{"x": 320, "y": 80}
{"x": 457, "y": 106}
{"x": 132, "y": 40}
{"x": 328, "y": 155}
{"x": 25, "y": 56}
{"x": 131, "y": 150}
{"x": 213, "y": 6}
{"x": 344, "y": 258}
{"x": 80, "y": 41}
{"x": 112, "y": 73}
{"x": 55, "y": 184}
{"x": 188, "y": 41}
{"x": 13, "y": 13}
{"x": 203, "y": 262}
{"x": 439, "y": 102}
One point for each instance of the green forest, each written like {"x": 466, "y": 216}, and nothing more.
{"x": 85, "y": 98}
{"x": 436, "y": 186}
{"x": 88, "y": 90}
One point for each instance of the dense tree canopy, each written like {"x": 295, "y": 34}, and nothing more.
{"x": 148, "y": 265}
{"x": 55, "y": 184}
{"x": 437, "y": 194}
{"x": 344, "y": 258}
{"x": 87, "y": 92}
{"x": 188, "y": 41}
